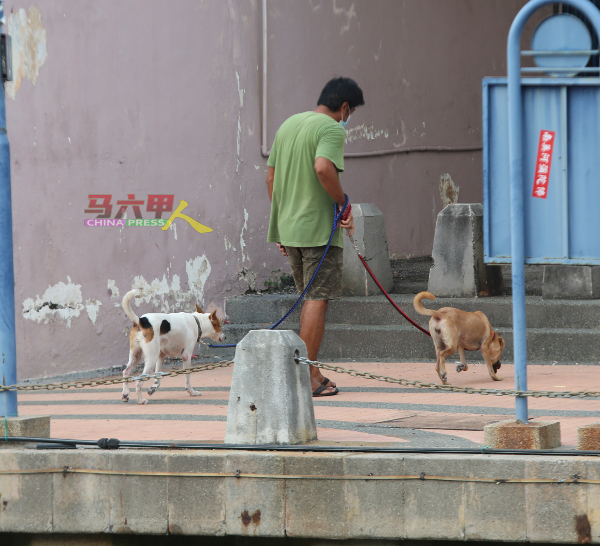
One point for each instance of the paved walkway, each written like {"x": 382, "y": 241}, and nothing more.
{"x": 365, "y": 411}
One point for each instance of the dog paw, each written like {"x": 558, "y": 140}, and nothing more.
{"x": 498, "y": 378}
{"x": 142, "y": 401}
{"x": 125, "y": 398}
{"x": 194, "y": 393}
{"x": 151, "y": 391}
{"x": 460, "y": 368}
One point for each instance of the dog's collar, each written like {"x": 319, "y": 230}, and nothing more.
{"x": 199, "y": 328}
{"x": 493, "y": 335}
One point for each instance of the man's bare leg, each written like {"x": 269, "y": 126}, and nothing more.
{"x": 312, "y": 327}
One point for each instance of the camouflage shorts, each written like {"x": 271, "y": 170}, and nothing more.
{"x": 328, "y": 282}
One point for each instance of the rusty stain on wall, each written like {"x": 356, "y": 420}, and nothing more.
{"x": 448, "y": 190}
{"x": 28, "y": 47}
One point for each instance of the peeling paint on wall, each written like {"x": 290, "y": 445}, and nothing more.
{"x": 242, "y": 242}
{"x": 168, "y": 297}
{"x": 62, "y": 301}
{"x": 228, "y": 245}
{"x": 366, "y": 132}
{"x": 448, "y": 190}
{"x": 92, "y": 307}
{"x": 114, "y": 292}
{"x": 28, "y": 37}
{"x": 349, "y": 13}
{"x": 249, "y": 276}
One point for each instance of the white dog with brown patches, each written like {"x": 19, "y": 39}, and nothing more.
{"x": 156, "y": 335}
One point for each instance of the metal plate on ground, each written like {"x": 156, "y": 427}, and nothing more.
{"x": 444, "y": 422}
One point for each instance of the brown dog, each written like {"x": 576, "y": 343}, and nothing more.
{"x": 452, "y": 328}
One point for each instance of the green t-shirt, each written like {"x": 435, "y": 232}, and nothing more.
{"x": 301, "y": 210}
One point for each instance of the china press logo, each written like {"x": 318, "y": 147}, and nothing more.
{"x": 101, "y": 205}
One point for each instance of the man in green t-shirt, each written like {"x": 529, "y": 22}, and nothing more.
{"x": 304, "y": 185}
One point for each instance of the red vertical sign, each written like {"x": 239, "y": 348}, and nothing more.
{"x": 542, "y": 165}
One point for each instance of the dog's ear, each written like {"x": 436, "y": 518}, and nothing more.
{"x": 501, "y": 342}
{"x": 213, "y": 315}
{"x": 199, "y": 309}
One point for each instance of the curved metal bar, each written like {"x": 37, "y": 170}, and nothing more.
{"x": 515, "y": 134}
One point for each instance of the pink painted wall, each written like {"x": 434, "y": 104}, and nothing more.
{"x": 148, "y": 97}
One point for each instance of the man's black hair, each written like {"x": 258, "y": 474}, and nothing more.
{"x": 338, "y": 91}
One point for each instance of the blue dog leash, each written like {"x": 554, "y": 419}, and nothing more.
{"x": 336, "y": 218}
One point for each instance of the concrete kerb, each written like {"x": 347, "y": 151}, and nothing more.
{"x": 400, "y": 507}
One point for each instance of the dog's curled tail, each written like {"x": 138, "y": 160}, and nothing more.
{"x": 127, "y": 307}
{"x": 419, "y": 306}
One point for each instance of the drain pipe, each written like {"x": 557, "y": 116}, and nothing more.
{"x": 265, "y": 151}
{"x": 8, "y": 350}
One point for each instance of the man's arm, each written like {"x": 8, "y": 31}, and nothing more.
{"x": 270, "y": 179}
{"x": 328, "y": 176}
{"x": 330, "y": 180}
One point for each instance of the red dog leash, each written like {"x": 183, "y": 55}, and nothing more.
{"x": 384, "y": 292}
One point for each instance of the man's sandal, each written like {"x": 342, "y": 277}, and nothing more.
{"x": 317, "y": 392}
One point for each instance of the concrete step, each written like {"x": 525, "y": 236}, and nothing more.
{"x": 405, "y": 343}
{"x": 370, "y": 328}
{"x": 376, "y": 310}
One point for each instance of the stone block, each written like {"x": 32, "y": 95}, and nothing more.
{"x": 494, "y": 512}
{"x": 196, "y": 506}
{"x": 316, "y": 508}
{"x": 129, "y": 513}
{"x": 458, "y": 267}
{"x": 434, "y": 510}
{"x": 270, "y": 400}
{"x": 571, "y": 282}
{"x": 81, "y": 504}
{"x": 26, "y": 426}
{"x": 588, "y": 437}
{"x": 26, "y": 500}
{"x": 375, "y": 507}
{"x": 371, "y": 240}
{"x": 255, "y": 507}
{"x": 513, "y": 435}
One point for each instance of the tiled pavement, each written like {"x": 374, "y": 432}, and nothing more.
{"x": 365, "y": 411}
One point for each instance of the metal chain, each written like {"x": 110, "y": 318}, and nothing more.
{"x": 322, "y": 365}
{"x": 115, "y": 381}
{"x": 451, "y": 388}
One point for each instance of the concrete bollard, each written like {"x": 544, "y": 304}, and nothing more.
{"x": 270, "y": 401}
{"x": 371, "y": 239}
{"x": 458, "y": 267}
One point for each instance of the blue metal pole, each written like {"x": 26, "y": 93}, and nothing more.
{"x": 517, "y": 221}
{"x": 8, "y": 350}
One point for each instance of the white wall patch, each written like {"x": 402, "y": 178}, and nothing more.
{"x": 62, "y": 301}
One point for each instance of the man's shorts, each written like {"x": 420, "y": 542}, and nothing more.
{"x": 328, "y": 282}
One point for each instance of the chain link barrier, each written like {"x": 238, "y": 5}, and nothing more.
{"x": 332, "y": 368}
{"x": 450, "y": 388}
{"x": 115, "y": 381}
